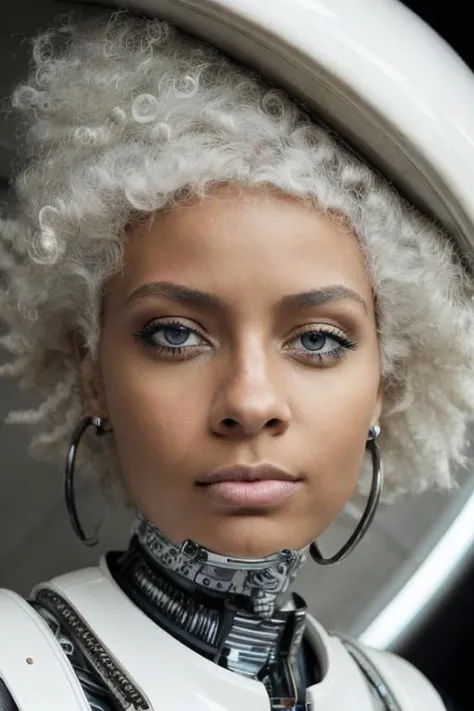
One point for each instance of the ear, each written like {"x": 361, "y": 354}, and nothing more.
{"x": 92, "y": 387}
{"x": 377, "y": 407}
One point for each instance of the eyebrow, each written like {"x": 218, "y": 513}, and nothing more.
{"x": 178, "y": 293}
{"x": 204, "y": 300}
{"x": 319, "y": 297}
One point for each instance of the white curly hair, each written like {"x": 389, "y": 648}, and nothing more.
{"x": 126, "y": 116}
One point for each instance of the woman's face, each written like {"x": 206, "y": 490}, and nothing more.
{"x": 239, "y": 368}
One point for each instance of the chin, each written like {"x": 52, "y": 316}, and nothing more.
{"x": 251, "y": 536}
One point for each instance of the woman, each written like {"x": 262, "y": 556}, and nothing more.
{"x": 240, "y": 311}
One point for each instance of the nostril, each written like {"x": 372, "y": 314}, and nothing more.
{"x": 274, "y": 422}
{"x": 229, "y": 422}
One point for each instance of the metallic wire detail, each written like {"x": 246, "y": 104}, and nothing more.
{"x": 180, "y": 609}
{"x": 97, "y": 693}
{"x": 264, "y": 581}
{"x": 371, "y": 673}
{"x": 252, "y": 644}
{"x": 235, "y": 637}
{"x": 120, "y": 686}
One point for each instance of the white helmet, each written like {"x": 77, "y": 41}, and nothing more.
{"x": 372, "y": 70}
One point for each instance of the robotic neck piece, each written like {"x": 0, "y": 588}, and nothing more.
{"x": 259, "y": 585}
{"x": 237, "y": 612}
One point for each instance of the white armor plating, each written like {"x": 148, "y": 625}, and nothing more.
{"x": 152, "y": 670}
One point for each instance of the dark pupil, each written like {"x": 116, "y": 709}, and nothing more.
{"x": 176, "y": 335}
{"x": 313, "y": 341}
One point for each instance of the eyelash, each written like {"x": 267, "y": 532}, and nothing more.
{"x": 345, "y": 345}
{"x": 145, "y": 335}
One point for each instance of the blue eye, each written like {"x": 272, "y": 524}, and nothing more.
{"x": 170, "y": 338}
{"x": 174, "y": 336}
{"x": 321, "y": 344}
{"x": 314, "y": 340}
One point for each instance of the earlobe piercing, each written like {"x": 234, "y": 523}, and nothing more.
{"x": 370, "y": 509}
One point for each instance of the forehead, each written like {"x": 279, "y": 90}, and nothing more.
{"x": 237, "y": 241}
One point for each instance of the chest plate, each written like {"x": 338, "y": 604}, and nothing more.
{"x": 146, "y": 669}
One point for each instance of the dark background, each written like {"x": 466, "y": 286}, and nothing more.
{"x": 452, "y": 20}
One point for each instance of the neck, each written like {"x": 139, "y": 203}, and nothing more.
{"x": 259, "y": 585}
{"x": 237, "y": 612}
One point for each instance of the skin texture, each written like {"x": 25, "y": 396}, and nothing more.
{"x": 244, "y": 390}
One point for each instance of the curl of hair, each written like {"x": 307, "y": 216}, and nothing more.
{"x": 124, "y": 115}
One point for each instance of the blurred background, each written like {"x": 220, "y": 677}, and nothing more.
{"x": 408, "y": 586}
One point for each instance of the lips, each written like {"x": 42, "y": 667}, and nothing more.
{"x": 260, "y": 486}
{"x": 242, "y": 473}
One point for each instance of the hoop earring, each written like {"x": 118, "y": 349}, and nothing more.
{"x": 370, "y": 509}
{"x": 69, "y": 491}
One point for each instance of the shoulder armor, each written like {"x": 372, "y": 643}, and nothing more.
{"x": 373, "y": 680}
{"x": 411, "y": 688}
{"x": 33, "y": 666}
{"x": 39, "y": 676}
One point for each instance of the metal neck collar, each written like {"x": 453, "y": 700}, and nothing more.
{"x": 261, "y": 585}
{"x": 235, "y": 612}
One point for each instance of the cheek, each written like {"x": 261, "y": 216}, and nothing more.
{"x": 158, "y": 419}
{"x": 335, "y": 413}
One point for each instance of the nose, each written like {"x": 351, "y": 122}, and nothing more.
{"x": 250, "y": 401}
